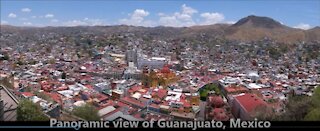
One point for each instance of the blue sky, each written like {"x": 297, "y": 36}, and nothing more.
{"x": 295, "y": 13}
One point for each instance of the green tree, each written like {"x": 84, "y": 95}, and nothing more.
{"x": 43, "y": 96}
{"x": 303, "y": 107}
{"x": 217, "y": 90}
{"x": 29, "y": 111}
{"x": 87, "y": 112}
{"x": 204, "y": 94}
{"x": 313, "y": 115}
{"x": 20, "y": 62}
{"x": 264, "y": 113}
{"x": 33, "y": 62}
{"x": 6, "y": 57}
{"x": 213, "y": 87}
{"x": 52, "y": 61}
{"x": 209, "y": 87}
{"x": 297, "y": 108}
{"x": 63, "y": 75}
{"x": 316, "y": 97}
{"x": 274, "y": 52}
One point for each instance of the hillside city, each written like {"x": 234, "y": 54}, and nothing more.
{"x": 131, "y": 76}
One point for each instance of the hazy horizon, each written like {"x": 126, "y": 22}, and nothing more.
{"x": 297, "y": 14}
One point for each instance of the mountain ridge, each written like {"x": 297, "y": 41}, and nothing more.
{"x": 247, "y": 29}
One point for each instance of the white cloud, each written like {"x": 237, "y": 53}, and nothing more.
{"x": 93, "y": 22}
{"x": 169, "y": 21}
{"x": 85, "y": 22}
{"x": 137, "y": 18}
{"x": 303, "y": 26}
{"x": 188, "y": 10}
{"x": 212, "y": 18}
{"x": 75, "y": 23}
{"x": 140, "y": 13}
{"x": 23, "y": 19}
{"x": 230, "y": 22}
{"x": 185, "y": 18}
{"x": 186, "y": 13}
{"x": 49, "y": 16}
{"x": 281, "y": 23}
{"x": 34, "y": 17}
{"x": 27, "y": 10}
{"x": 54, "y": 20}
{"x": 161, "y": 14}
{"x": 12, "y": 15}
{"x": 179, "y": 19}
{"x": 4, "y": 22}
{"x": 27, "y": 23}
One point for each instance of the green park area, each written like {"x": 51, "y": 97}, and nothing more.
{"x": 208, "y": 89}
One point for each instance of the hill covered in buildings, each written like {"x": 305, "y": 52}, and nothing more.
{"x": 249, "y": 29}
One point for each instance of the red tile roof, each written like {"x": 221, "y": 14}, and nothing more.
{"x": 86, "y": 77}
{"x": 134, "y": 89}
{"x": 101, "y": 106}
{"x": 121, "y": 104}
{"x": 46, "y": 88}
{"x": 89, "y": 86}
{"x": 107, "y": 103}
{"x": 138, "y": 116}
{"x": 162, "y": 93}
{"x": 102, "y": 97}
{"x": 143, "y": 91}
{"x": 132, "y": 101}
{"x": 250, "y": 102}
{"x": 220, "y": 114}
{"x": 216, "y": 101}
{"x": 27, "y": 94}
{"x": 206, "y": 79}
{"x": 132, "y": 110}
{"x": 77, "y": 98}
{"x": 155, "y": 106}
{"x": 218, "y": 111}
{"x": 233, "y": 89}
{"x": 61, "y": 88}
{"x": 56, "y": 97}
{"x": 183, "y": 96}
{"x": 186, "y": 104}
{"x": 143, "y": 99}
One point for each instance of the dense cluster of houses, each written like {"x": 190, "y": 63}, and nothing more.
{"x": 61, "y": 78}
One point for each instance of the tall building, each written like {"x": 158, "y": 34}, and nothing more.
{"x": 131, "y": 56}
{"x": 151, "y": 63}
{"x": 140, "y": 60}
{"x": 131, "y": 72}
{"x": 195, "y": 99}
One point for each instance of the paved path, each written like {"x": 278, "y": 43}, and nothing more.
{"x": 202, "y": 110}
